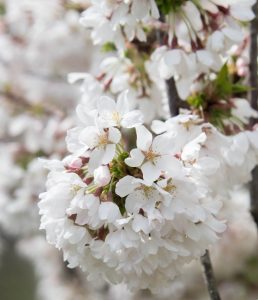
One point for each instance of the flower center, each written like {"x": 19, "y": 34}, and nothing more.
{"x": 170, "y": 188}
{"x": 151, "y": 155}
{"x": 116, "y": 117}
{"x": 103, "y": 139}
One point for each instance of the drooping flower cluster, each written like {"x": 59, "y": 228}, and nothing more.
{"x": 137, "y": 211}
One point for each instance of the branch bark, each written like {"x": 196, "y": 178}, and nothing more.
{"x": 254, "y": 103}
{"x": 174, "y": 101}
{"x": 173, "y": 98}
{"x": 210, "y": 278}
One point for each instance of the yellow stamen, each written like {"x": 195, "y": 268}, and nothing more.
{"x": 116, "y": 117}
{"x": 103, "y": 139}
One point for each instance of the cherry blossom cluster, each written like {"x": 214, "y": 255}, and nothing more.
{"x": 189, "y": 41}
{"x": 137, "y": 210}
{"x": 200, "y": 34}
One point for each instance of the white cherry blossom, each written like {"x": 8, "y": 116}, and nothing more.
{"x": 118, "y": 114}
{"x": 101, "y": 143}
{"x": 151, "y": 155}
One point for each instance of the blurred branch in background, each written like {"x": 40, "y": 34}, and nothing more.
{"x": 254, "y": 104}
{"x": 21, "y": 102}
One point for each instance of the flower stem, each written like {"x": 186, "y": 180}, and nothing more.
{"x": 209, "y": 275}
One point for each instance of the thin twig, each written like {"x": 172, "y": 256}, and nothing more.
{"x": 254, "y": 104}
{"x": 209, "y": 275}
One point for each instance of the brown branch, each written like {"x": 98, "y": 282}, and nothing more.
{"x": 254, "y": 103}
{"x": 209, "y": 275}
{"x": 253, "y": 61}
{"x": 174, "y": 102}
{"x": 173, "y": 98}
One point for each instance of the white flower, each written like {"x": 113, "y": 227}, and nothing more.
{"x": 112, "y": 114}
{"x": 139, "y": 194}
{"x": 152, "y": 155}
{"x": 102, "y": 144}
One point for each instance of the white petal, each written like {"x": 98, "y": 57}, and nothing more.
{"x": 141, "y": 223}
{"x": 126, "y": 185}
{"x": 105, "y": 104}
{"x": 136, "y": 158}
{"x": 158, "y": 126}
{"x": 89, "y": 202}
{"x": 132, "y": 119}
{"x": 123, "y": 103}
{"x": 144, "y": 138}
{"x": 109, "y": 154}
{"x": 154, "y": 9}
{"x": 192, "y": 149}
{"x": 216, "y": 225}
{"x": 114, "y": 135}
{"x": 205, "y": 57}
{"x": 162, "y": 144}
{"x": 139, "y": 9}
{"x": 150, "y": 172}
{"x": 193, "y": 15}
{"x": 242, "y": 12}
{"x": 172, "y": 58}
{"x": 96, "y": 158}
{"x": 109, "y": 211}
{"x": 89, "y": 137}
{"x": 207, "y": 5}
{"x": 134, "y": 201}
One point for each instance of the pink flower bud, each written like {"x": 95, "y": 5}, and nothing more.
{"x": 102, "y": 176}
{"x": 76, "y": 164}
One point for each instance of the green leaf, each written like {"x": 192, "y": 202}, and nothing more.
{"x": 239, "y": 88}
{"x": 196, "y": 101}
{"x": 166, "y": 6}
{"x": 223, "y": 84}
{"x": 108, "y": 47}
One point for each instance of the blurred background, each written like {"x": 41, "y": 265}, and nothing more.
{"x": 41, "y": 41}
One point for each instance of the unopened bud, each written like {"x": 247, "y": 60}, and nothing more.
{"x": 102, "y": 176}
